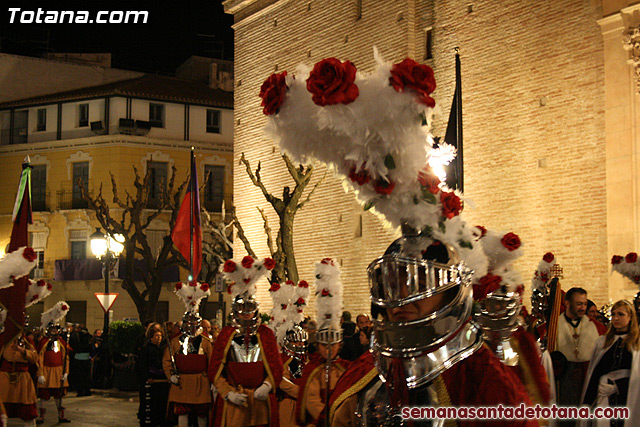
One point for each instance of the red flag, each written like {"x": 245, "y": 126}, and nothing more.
{"x": 13, "y": 297}
{"x": 190, "y": 243}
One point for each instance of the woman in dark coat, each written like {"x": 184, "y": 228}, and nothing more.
{"x": 154, "y": 387}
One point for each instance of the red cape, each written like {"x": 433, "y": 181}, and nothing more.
{"x": 270, "y": 357}
{"x": 529, "y": 368}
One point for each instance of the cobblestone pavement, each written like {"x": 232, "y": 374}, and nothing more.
{"x": 104, "y": 408}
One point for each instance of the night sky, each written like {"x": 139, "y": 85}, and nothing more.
{"x": 174, "y": 31}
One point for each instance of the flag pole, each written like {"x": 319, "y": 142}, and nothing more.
{"x": 458, "y": 95}
{"x": 191, "y": 202}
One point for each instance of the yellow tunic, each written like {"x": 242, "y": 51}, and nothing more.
{"x": 193, "y": 388}
{"x": 22, "y": 391}
{"x": 317, "y": 388}
{"x": 288, "y": 403}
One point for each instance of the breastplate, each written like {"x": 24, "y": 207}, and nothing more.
{"x": 53, "y": 346}
{"x": 374, "y": 409}
{"x": 246, "y": 353}
{"x": 189, "y": 345}
{"x": 295, "y": 368}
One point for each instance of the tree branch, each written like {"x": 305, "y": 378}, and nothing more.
{"x": 267, "y": 230}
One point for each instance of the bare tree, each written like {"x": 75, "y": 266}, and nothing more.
{"x": 286, "y": 208}
{"x": 132, "y": 222}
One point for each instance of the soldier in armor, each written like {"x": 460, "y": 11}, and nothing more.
{"x": 53, "y": 354}
{"x": 325, "y": 367}
{"x": 245, "y": 368}
{"x": 186, "y": 359}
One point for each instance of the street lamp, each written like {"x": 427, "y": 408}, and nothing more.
{"x": 106, "y": 248}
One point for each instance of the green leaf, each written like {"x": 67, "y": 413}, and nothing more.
{"x": 428, "y": 197}
{"x": 442, "y": 227}
{"x": 369, "y": 205}
{"x": 427, "y": 231}
{"x": 389, "y": 162}
{"x": 465, "y": 244}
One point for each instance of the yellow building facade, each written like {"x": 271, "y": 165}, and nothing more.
{"x": 116, "y": 139}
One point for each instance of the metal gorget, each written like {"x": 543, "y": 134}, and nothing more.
{"x": 53, "y": 345}
{"x": 246, "y": 353}
{"x": 497, "y": 316}
{"x": 421, "y": 368}
{"x": 190, "y": 345}
{"x": 375, "y": 410}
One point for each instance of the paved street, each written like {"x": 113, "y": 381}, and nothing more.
{"x": 105, "y": 408}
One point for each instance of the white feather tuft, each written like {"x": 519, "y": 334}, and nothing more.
{"x": 54, "y": 314}
{"x": 14, "y": 265}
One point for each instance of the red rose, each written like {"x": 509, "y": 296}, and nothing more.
{"x": 511, "y": 241}
{"x": 361, "y": 177}
{"x": 204, "y": 287}
{"x": 274, "y": 287}
{"x": 325, "y": 293}
{"x": 229, "y": 266}
{"x": 429, "y": 180}
{"x": 303, "y": 284}
{"x": 247, "y": 280}
{"x": 548, "y": 257}
{"x": 229, "y": 286}
{"x": 29, "y": 254}
{"x": 300, "y": 302}
{"x": 41, "y": 282}
{"x": 193, "y": 283}
{"x": 412, "y": 75}
{"x": 269, "y": 263}
{"x": 64, "y": 307}
{"x": 33, "y": 298}
{"x": 283, "y": 306}
{"x": 520, "y": 289}
{"x": 482, "y": 230}
{"x": 327, "y": 261}
{"x": 616, "y": 259}
{"x": 631, "y": 257}
{"x": 178, "y": 286}
{"x": 247, "y": 261}
{"x": 451, "y": 204}
{"x": 382, "y": 186}
{"x": 49, "y": 286}
{"x": 332, "y": 82}
{"x": 273, "y": 93}
{"x": 487, "y": 284}
{"x": 290, "y": 282}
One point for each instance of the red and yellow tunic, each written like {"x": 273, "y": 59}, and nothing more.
{"x": 312, "y": 397}
{"x": 194, "y": 387}
{"x": 16, "y": 385}
{"x": 245, "y": 377}
{"x": 289, "y": 396}
{"x": 52, "y": 363}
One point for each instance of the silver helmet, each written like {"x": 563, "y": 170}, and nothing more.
{"x": 245, "y": 314}
{"x": 296, "y": 342}
{"x": 497, "y": 315}
{"x": 191, "y": 323}
{"x": 417, "y": 269}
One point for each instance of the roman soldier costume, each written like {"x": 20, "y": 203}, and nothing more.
{"x": 245, "y": 368}
{"x": 321, "y": 374}
{"x": 289, "y": 301}
{"x": 186, "y": 360}
{"x": 374, "y": 131}
{"x": 499, "y": 297}
{"x": 53, "y": 355}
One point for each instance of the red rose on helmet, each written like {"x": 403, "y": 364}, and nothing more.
{"x": 332, "y": 82}
{"x": 33, "y": 298}
{"x": 273, "y": 93}
{"x": 247, "y": 261}
{"x": 283, "y": 306}
{"x": 482, "y": 231}
{"x": 548, "y": 257}
{"x": 485, "y": 286}
{"x": 325, "y": 292}
{"x": 29, "y": 254}
{"x": 300, "y": 302}
{"x": 41, "y": 282}
{"x": 290, "y": 282}
{"x": 49, "y": 286}
{"x": 616, "y": 259}
{"x": 193, "y": 283}
{"x": 382, "y": 186}
{"x": 511, "y": 241}
{"x": 229, "y": 286}
{"x": 429, "y": 180}
{"x": 418, "y": 77}
{"x": 451, "y": 204}
{"x": 361, "y": 177}
{"x": 269, "y": 263}
{"x": 229, "y": 266}
{"x": 274, "y": 287}
{"x": 204, "y": 287}
{"x": 631, "y": 257}
{"x": 178, "y": 286}
{"x": 303, "y": 284}
{"x": 327, "y": 261}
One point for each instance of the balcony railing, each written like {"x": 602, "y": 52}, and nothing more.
{"x": 67, "y": 199}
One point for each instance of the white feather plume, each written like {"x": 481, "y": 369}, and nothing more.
{"x": 542, "y": 275}
{"x": 191, "y": 294}
{"x": 37, "y": 291}
{"x": 244, "y": 274}
{"x": 628, "y": 266}
{"x": 54, "y": 314}
{"x": 328, "y": 294}
{"x": 14, "y": 265}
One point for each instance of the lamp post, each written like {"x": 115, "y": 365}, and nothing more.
{"x": 106, "y": 248}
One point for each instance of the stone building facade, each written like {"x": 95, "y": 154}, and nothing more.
{"x": 549, "y": 119}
